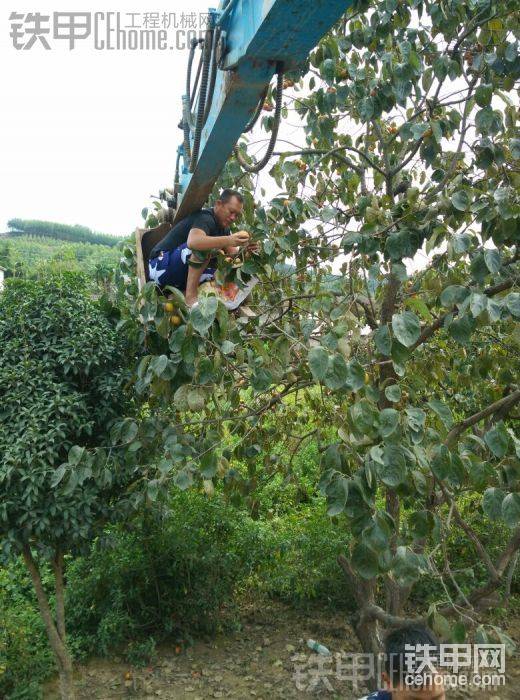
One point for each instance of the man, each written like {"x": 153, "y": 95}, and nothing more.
{"x": 202, "y": 231}
{"x": 407, "y": 649}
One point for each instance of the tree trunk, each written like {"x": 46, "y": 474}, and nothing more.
{"x": 57, "y": 566}
{"x": 365, "y": 626}
{"x": 58, "y": 645}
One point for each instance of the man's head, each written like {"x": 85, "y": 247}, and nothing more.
{"x": 408, "y": 649}
{"x": 228, "y": 207}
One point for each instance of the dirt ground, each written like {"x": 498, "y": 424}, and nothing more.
{"x": 267, "y": 659}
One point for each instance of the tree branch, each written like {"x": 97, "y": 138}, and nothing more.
{"x": 430, "y": 330}
{"x": 508, "y": 401}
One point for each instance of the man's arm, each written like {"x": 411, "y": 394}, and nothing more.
{"x": 199, "y": 240}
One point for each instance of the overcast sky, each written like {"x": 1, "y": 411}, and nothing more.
{"x": 87, "y": 135}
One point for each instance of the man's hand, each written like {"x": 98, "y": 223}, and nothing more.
{"x": 239, "y": 239}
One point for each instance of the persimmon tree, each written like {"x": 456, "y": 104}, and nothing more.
{"x": 388, "y": 304}
{"x": 62, "y": 378}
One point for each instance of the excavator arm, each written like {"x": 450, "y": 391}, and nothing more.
{"x": 250, "y": 40}
{"x": 246, "y": 43}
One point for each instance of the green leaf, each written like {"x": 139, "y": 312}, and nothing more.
{"x": 227, "y": 347}
{"x": 418, "y": 305}
{"x": 478, "y": 303}
{"x": 483, "y": 95}
{"x": 337, "y": 493}
{"x": 383, "y": 340}
{"x": 443, "y": 411}
{"x": 129, "y": 431}
{"x": 441, "y": 626}
{"x": 336, "y": 376}
{"x": 331, "y": 458}
{"x": 183, "y": 479}
{"x": 364, "y": 416}
{"x": 406, "y": 327}
{"x": 421, "y": 523}
{"x": 461, "y": 200}
{"x": 441, "y": 462}
{"x": 388, "y": 421}
{"x": 203, "y": 315}
{"x": 209, "y": 464}
{"x": 461, "y": 329}
{"x": 327, "y": 213}
{"x": 393, "y": 470}
{"x": 196, "y": 400}
{"x": 492, "y": 260}
{"x": 318, "y": 363}
{"x": 454, "y": 294}
{"x": 328, "y": 69}
{"x": 355, "y": 375}
{"x": 58, "y": 475}
{"x": 165, "y": 467}
{"x": 512, "y": 301}
{"x": 376, "y": 536}
{"x": 364, "y": 560}
{"x": 366, "y": 108}
{"x": 180, "y": 398}
{"x": 393, "y": 393}
{"x": 484, "y": 120}
{"x": 159, "y": 364}
{"x": 416, "y": 418}
{"x": 497, "y": 440}
{"x": 75, "y": 455}
{"x": 492, "y": 503}
{"x": 152, "y": 489}
{"x": 261, "y": 379}
{"x": 511, "y": 509}
{"x": 406, "y": 566}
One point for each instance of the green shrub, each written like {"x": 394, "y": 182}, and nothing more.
{"x": 302, "y": 567}
{"x": 25, "y": 657}
{"x": 171, "y": 574}
{"x": 141, "y": 652}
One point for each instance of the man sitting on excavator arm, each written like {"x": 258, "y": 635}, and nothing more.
{"x": 202, "y": 231}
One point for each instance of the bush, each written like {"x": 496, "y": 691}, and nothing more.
{"x": 301, "y": 567}
{"x": 25, "y": 657}
{"x": 172, "y": 574}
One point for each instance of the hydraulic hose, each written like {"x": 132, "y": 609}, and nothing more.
{"x": 256, "y": 167}
{"x": 186, "y": 111}
{"x": 258, "y": 111}
{"x": 201, "y": 105}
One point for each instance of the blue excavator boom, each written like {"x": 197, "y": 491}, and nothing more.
{"x": 246, "y": 42}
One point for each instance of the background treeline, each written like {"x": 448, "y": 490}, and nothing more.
{"x": 63, "y": 232}
{"x": 25, "y": 255}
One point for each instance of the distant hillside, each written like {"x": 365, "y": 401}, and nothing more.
{"x": 27, "y": 254}
{"x": 62, "y": 232}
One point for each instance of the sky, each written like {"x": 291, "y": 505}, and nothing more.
{"x": 86, "y": 135}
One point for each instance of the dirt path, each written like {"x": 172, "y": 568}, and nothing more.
{"x": 259, "y": 662}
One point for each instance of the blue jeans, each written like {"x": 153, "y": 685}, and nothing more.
{"x": 170, "y": 268}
